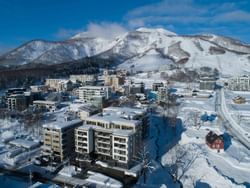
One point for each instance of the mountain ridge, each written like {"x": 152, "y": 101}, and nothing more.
{"x": 139, "y": 47}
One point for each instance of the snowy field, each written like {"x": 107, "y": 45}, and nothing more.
{"x": 240, "y": 112}
{"x": 202, "y": 166}
{"x": 230, "y": 168}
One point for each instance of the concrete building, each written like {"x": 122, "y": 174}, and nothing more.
{"x": 114, "y": 81}
{"x": 83, "y": 110}
{"x": 207, "y": 83}
{"x": 46, "y": 105}
{"x": 17, "y": 102}
{"x": 162, "y": 94}
{"x": 59, "y": 84}
{"x": 87, "y": 93}
{"x": 137, "y": 88}
{"x": 115, "y": 134}
{"x": 39, "y": 88}
{"x": 241, "y": 83}
{"x": 155, "y": 86}
{"x": 18, "y": 99}
{"x": 83, "y": 78}
{"x": 59, "y": 139}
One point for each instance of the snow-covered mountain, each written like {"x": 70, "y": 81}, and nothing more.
{"x": 143, "y": 49}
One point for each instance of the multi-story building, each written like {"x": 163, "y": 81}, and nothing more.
{"x": 18, "y": 99}
{"x": 83, "y": 78}
{"x": 115, "y": 135}
{"x": 207, "y": 83}
{"x": 17, "y": 102}
{"x": 87, "y": 93}
{"x": 59, "y": 84}
{"x": 58, "y": 139}
{"x": 46, "y": 105}
{"x": 39, "y": 88}
{"x": 162, "y": 94}
{"x": 114, "y": 81}
{"x": 137, "y": 88}
{"x": 241, "y": 83}
{"x": 156, "y": 85}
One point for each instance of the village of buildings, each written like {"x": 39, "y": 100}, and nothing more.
{"x": 116, "y": 129}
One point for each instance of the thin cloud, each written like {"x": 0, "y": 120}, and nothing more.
{"x": 103, "y": 30}
{"x": 186, "y": 12}
{"x": 235, "y": 16}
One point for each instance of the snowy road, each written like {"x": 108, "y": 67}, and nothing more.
{"x": 231, "y": 124}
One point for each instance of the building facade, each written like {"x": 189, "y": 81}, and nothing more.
{"x": 115, "y": 134}
{"x": 87, "y": 93}
{"x": 83, "y": 78}
{"x": 59, "y": 139}
{"x": 241, "y": 83}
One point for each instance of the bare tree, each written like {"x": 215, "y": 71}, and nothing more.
{"x": 181, "y": 160}
{"x": 143, "y": 157}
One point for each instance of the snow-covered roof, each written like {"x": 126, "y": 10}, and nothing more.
{"x": 44, "y": 102}
{"x": 24, "y": 143}
{"x": 119, "y": 115}
{"x": 62, "y": 124}
{"x": 118, "y": 132}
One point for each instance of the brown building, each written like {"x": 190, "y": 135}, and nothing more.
{"x": 215, "y": 141}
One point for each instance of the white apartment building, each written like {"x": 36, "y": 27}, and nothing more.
{"x": 39, "y": 88}
{"x": 59, "y": 84}
{"x": 83, "y": 78}
{"x": 59, "y": 139}
{"x": 115, "y": 135}
{"x": 241, "y": 83}
{"x": 86, "y": 93}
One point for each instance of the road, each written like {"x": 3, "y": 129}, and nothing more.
{"x": 230, "y": 123}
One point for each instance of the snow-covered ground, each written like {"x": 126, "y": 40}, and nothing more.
{"x": 230, "y": 168}
{"x": 240, "y": 112}
{"x": 202, "y": 166}
{"x": 100, "y": 180}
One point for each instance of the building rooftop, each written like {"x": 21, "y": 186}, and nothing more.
{"x": 211, "y": 137}
{"x": 44, "y": 102}
{"x": 60, "y": 124}
{"x": 24, "y": 143}
{"x": 93, "y": 87}
{"x": 119, "y": 115}
{"x": 117, "y": 132}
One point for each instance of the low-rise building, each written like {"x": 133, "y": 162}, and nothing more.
{"x": 59, "y": 139}
{"x": 46, "y": 105}
{"x": 215, "y": 141}
{"x": 83, "y": 110}
{"x": 239, "y": 100}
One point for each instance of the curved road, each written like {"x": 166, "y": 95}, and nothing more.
{"x": 231, "y": 124}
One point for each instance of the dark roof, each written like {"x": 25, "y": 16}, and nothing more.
{"x": 211, "y": 137}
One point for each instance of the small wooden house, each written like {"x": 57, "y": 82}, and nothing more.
{"x": 215, "y": 141}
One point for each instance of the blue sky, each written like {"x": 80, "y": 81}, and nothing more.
{"x": 24, "y": 20}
